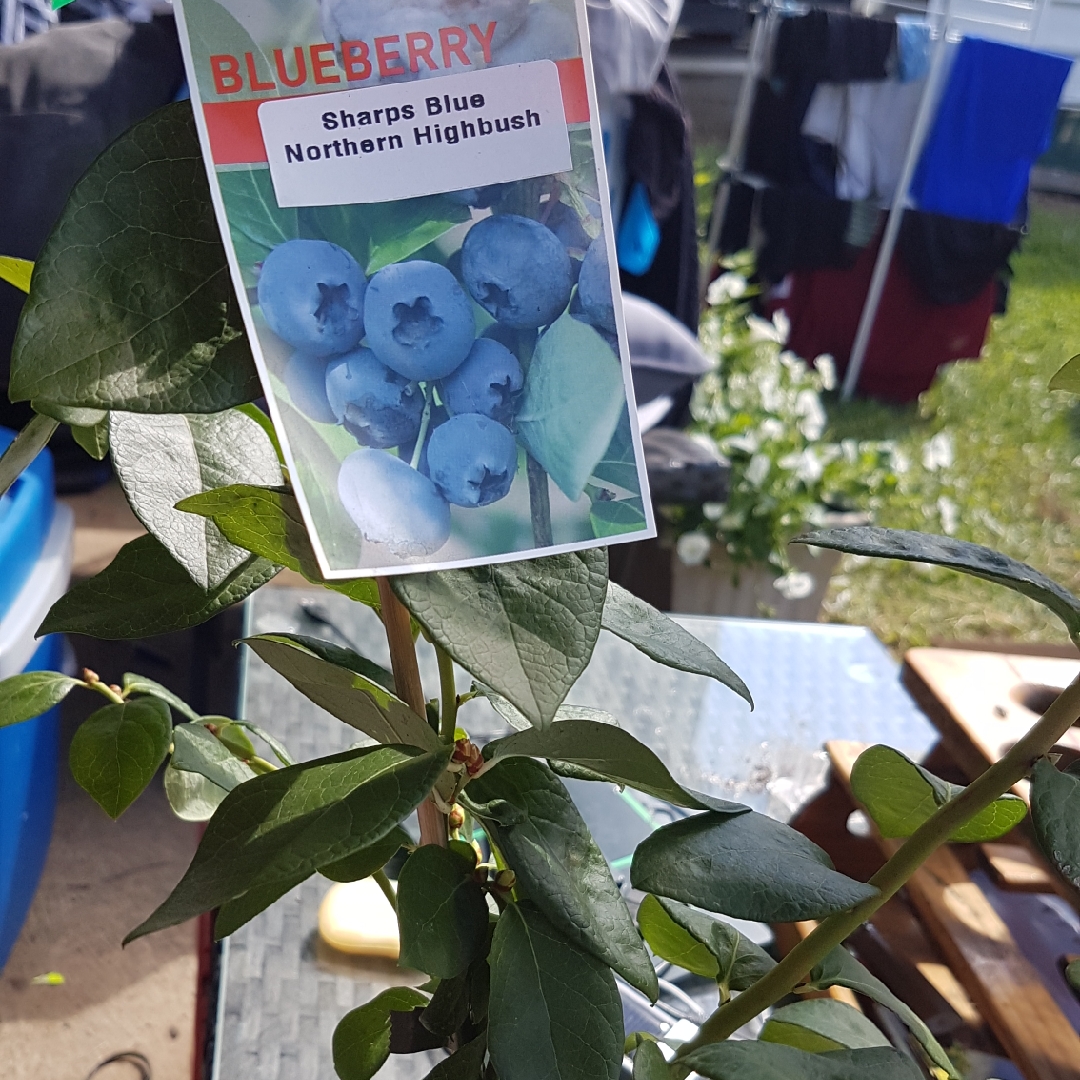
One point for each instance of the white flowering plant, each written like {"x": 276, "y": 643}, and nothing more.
{"x": 762, "y": 408}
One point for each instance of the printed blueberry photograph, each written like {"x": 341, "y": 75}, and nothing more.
{"x": 445, "y": 368}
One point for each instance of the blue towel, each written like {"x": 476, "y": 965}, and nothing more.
{"x": 995, "y": 119}
{"x": 912, "y": 47}
{"x": 638, "y": 237}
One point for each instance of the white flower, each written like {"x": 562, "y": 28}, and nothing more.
{"x": 747, "y": 443}
{"x": 713, "y": 511}
{"x": 771, "y": 430}
{"x": 808, "y": 406}
{"x": 693, "y": 548}
{"x": 762, "y": 330}
{"x": 949, "y": 513}
{"x": 807, "y": 466}
{"x": 726, "y": 287}
{"x": 937, "y": 453}
{"x": 826, "y": 368}
{"x": 795, "y": 585}
{"x": 757, "y": 470}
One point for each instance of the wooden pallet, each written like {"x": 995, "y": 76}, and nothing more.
{"x": 982, "y": 954}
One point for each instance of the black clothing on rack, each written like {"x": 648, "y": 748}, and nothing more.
{"x": 834, "y": 46}
{"x": 804, "y": 230}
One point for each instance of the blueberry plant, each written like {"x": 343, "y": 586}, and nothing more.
{"x": 130, "y": 334}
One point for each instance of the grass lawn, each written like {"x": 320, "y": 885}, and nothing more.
{"x": 992, "y": 456}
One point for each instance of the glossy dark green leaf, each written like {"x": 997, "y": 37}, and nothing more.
{"x": 235, "y": 913}
{"x": 466, "y": 1063}
{"x": 840, "y": 968}
{"x": 131, "y": 306}
{"x": 974, "y": 559}
{"x": 1067, "y": 377}
{"x": 161, "y": 460}
{"x": 1055, "y": 813}
{"x": 117, "y": 750}
{"x": 292, "y": 821}
{"x": 140, "y": 684}
{"x": 821, "y": 1025}
{"x": 900, "y": 795}
{"x": 366, "y": 861}
{"x": 268, "y": 523}
{"x": 560, "y": 866}
{"x": 606, "y": 751}
{"x": 22, "y": 697}
{"x": 555, "y": 1009}
{"x": 767, "y": 1061}
{"x": 525, "y": 629}
{"x": 449, "y": 1006}
{"x": 664, "y": 640}
{"x": 144, "y": 592}
{"x": 737, "y": 962}
{"x": 361, "y": 1042}
{"x": 343, "y": 692}
{"x": 442, "y": 913}
{"x": 191, "y": 796}
{"x": 747, "y": 866}
{"x": 196, "y": 750}
{"x": 649, "y": 1063}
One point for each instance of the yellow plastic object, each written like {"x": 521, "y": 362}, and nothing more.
{"x": 355, "y": 917}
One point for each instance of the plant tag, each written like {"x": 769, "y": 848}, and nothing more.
{"x": 415, "y": 209}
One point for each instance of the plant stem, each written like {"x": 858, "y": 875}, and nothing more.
{"x": 410, "y": 689}
{"x": 922, "y": 843}
{"x": 448, "y": 687}
{"x": 105, "y": 691}
{"x": 388, "y": 890}
{"x": 425, "y": 423}
{"x": 27, "y": 445}
{"x": 539, "y": 503}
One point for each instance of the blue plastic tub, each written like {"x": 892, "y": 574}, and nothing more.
{"x": 28, "y": 768}
{"x": 25, "y": 517}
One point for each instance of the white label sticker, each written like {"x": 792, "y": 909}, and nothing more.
{"x": 404, "y": 140}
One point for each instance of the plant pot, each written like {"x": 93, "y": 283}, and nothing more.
{"x": 748, "y": 590}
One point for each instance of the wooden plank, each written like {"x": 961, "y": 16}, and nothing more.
{"x": 1016, "y": 868}
{"x": 981, "y": 952}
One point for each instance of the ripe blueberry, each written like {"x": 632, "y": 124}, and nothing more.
{"x": 312, "y": 296}
{"x": 377, "y": 406}
{"x": 517, "y": 270}
{"x": 594, "y": 287}
{"x": 487, "y": 382}
{"x": 419, "y": 320}
{"x": 472, "y": 459}
{"x": 305, "y": 379}
{"x": 393, "y": 504}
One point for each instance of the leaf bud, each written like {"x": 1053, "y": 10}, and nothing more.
{"x": 505, "y": 880}
{"x": 456, "y": 818}
{"x": 90, "y": 677}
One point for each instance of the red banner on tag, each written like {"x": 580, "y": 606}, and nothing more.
{"x": 236, "y": 138}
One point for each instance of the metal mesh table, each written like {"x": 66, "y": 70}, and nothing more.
{"x": 281, "y": 994}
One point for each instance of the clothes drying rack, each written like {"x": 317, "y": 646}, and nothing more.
{"x": 1015, "y": 21}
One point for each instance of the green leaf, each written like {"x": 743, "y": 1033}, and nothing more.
{"x": 746, "y": 866}
{"x": 1067, "y": 377}
{"x": 235, "y": 913}
{"x": 526, "y": 629}
{"x": 649, "y": 1063}
{"x": 343, "y": 692}
{"x": 117, "y": 750}
{"x": 732, "y": 959}
{"x": 820, "y": 1026}
{"x": 22, "y": 697}
{"x": 618, "y": 466}
{"x": 974, "y": 559}
{"x": 1055, "y": 814}
{"x": 664, "y": 640}
{"x": 766, "y": 1061}
{"x": 160, "y": 460}
{"x": 292, "y": 821}
{"x": 144, "y": 591}
{"x": 16, "y": 272}
{"x": 464, "y": 1064}
{"x": 363, "y": 863}
{"x": 234, "y": 737}
{"x": 900, "y": 795}
{"x": 570, "y": 408}
{"x": 196, "y": 750}
{"x": 277, "y": 747}
{"x": 24, "y": 448}
{"x": 93, "y": 438}
{"x": 560, "y": 866}
{"x": 613, "y": 517}
{"x": 131, "y": 306}
{"x": 68, "y": 415}
{"x": 449, "y": 1006}
{"x": 269, "y": 524}
{"x": 1072, "y": 974}
{"x": 256, "y": 223}
{"x": 400, "y": 229}
{"x": 362, "y": 1038}
{"x": 555, "y": 1010}
{"x": 344, "y": 658}
{"x": 253, "y": 412}
{"x": 191, "y": 796}
{"x": 519, "y": 722}
{"x": 840, "y": 968}
{"x": 606, "y": 751}
{"x": 441, "y": 911}
{"x": 140, "y": 684}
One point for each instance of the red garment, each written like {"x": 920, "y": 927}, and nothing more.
{"x": 911, "y": 338}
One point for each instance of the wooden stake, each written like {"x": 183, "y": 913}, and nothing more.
{"x": 398, "y": 625}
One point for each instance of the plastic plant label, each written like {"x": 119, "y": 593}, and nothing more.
{"x": 415, "y": 209}
{"x": 496, "y": 125}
